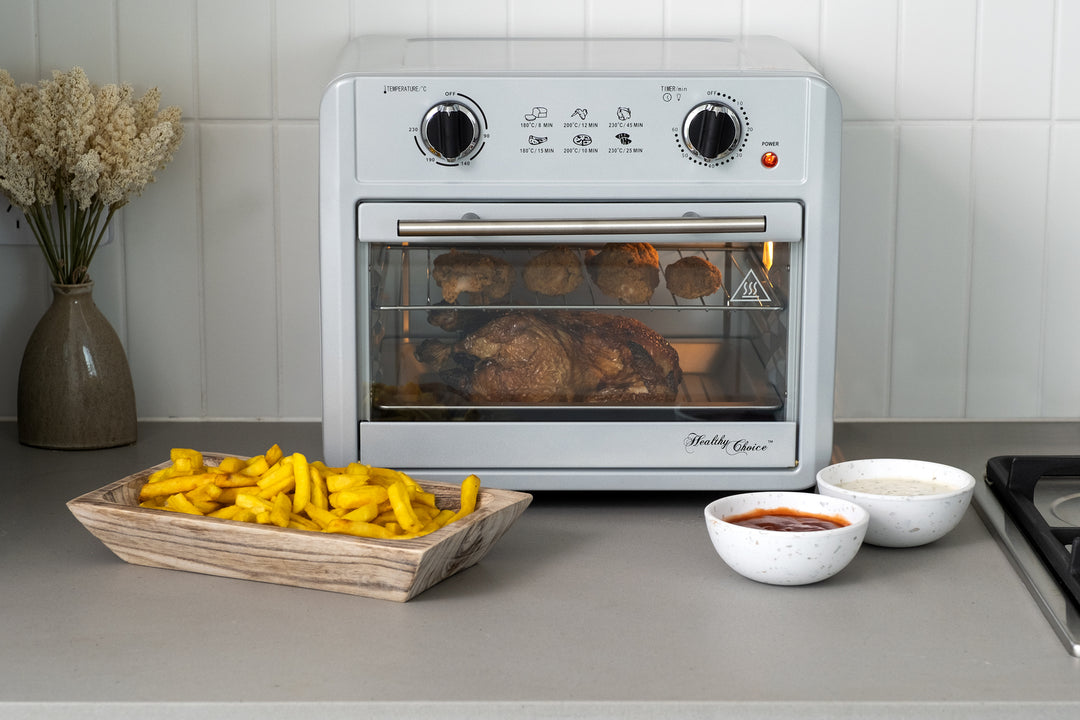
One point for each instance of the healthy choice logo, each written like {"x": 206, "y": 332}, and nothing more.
{"x": 730, "y": 446}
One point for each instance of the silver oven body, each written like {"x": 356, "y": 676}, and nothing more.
{"x": 448, "y": 166}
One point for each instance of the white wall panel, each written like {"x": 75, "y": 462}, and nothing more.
{"x": 26, "y": 293}
{"x": 309, "y": 37}
{"x": 240, "y": 272}
{"x": 797, "y": 21}
{"x": 298, "y": 270}
{"x": 78, "y": 33}
{"x": 1061, "y": 324}
{"x": 931, "y": 272}
{"x": 235, "y": 78}
{"x": 1015, "y": 59}
{"x": 625, "y": 18}
{"x": 1007, "y": 271}
{"x": 468, "y": 18}
{"x": 156, "y": 40}
{"x": 558, "y": 18}
{"x": 18, "y": 50}
{"x": 1067, "y": 61}
{"x": 693, "y": 18}
{"x": 937, "y": 59}
{"x": 866, "y": 252}
{"x": 402, "y": 17}
{"x": 858, "y": 55}
{"x": 162, "y": 240}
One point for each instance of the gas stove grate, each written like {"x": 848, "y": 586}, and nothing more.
{"x": 1022, "y": 484}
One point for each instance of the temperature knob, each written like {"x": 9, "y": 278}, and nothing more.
{"x": 450, "y": 131}
{"x": 712, "y": 131}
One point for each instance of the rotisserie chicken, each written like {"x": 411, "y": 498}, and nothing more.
{"x": 558, "y": 356}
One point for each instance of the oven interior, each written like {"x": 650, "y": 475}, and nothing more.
{"x": 734, "y": 344}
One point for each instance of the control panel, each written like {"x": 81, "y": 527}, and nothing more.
{"x": 501, "y": 129}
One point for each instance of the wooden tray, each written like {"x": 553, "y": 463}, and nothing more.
{"x": 384, "y": 569}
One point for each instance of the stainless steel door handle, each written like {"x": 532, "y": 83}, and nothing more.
{"x": 634, "y": 226}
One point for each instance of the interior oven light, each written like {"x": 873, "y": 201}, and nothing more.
{"x": 770, "y": 160}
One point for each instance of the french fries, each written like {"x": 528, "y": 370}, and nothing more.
{"x": 286, "y": 490}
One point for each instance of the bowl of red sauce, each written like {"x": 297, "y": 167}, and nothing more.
{"x": 786, "y": 538}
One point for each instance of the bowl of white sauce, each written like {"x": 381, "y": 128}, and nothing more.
{"x": 911, "y": 502}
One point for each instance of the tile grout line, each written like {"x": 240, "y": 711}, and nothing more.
{"x": 894, "y": 239}
{"x": 275, "y": 160}
{"x": 200, "y": 230}
{"x": 976, "y": 76}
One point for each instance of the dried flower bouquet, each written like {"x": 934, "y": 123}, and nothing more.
{"x": 72, "y": 154}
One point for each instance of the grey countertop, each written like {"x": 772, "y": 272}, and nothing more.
{"x": 592, "y": 605}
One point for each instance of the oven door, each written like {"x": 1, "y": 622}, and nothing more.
{"x": 578, "y": 335}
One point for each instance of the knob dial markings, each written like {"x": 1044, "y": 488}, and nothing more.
{"x": 712, "y": 131}
{"x": 450, "y": 131}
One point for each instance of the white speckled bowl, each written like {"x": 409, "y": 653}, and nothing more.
{"x": 785, "y": 558}
{"x": 902, "y": 520}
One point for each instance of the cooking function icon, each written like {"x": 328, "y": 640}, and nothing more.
{"x": 537, "y": 113}
{"x": 580, "y": 113}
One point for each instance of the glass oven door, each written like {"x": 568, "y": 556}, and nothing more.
{"x": 578, "y": 335}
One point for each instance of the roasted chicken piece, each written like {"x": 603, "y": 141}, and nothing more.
{"x": 555, "y": 271}
{"x": 692, "y": 277}
{"x": 558, "y": 356}
{"x": 455, "y": 318}
{"x": 486, "y": 277}
{"x": 627, "y": 271}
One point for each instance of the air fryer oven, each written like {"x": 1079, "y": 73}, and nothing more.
{"x": 580, "y": 264}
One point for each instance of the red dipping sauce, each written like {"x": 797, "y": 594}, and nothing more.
{"x": 787, "y": 520}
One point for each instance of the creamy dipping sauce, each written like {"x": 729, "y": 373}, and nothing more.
{"x": 896, "y": 486}
{"x": 786, "y": 520}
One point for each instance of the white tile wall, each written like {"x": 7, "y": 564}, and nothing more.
{"x": 858, "y": 55}
{"x": 78, "y": 33}
{"x": 235, "y": 64}
{"x": 1015, "y": 59}
{"x": 931, "y": 299}
{"x": 1007, "y": 269}
{"x": 241, "y": 270}
{"x": 961, "y": 177}
{"x": 156, "y": 39}
{"x": 622, "y": 18}
{"x": 1061, "y": 341}
{"x": 1067, "y": 61}
{"x": 694, "y": 18}
{"x": 866, "y": 250}
{"x": 165, "y": 340}
{"x": 561, "y": 18}
{"x": 797, "y": 21}
{"x": 937, "y": 59}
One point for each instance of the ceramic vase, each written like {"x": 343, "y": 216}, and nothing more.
{"x": 75, "y": 390}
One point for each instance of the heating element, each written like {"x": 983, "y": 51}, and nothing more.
{"x": 580, "y": 264}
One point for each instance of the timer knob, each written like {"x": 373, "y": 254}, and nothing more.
{"x": 711, "y": 131}
{"x": 450, "y": 131}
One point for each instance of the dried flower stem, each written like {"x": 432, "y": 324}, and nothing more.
{"x": 71, "y": 237}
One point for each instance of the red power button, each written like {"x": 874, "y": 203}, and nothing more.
{"x": 770, "y": 160}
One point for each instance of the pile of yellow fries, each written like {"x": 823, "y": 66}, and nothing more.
{"x": 288, "y": 491}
